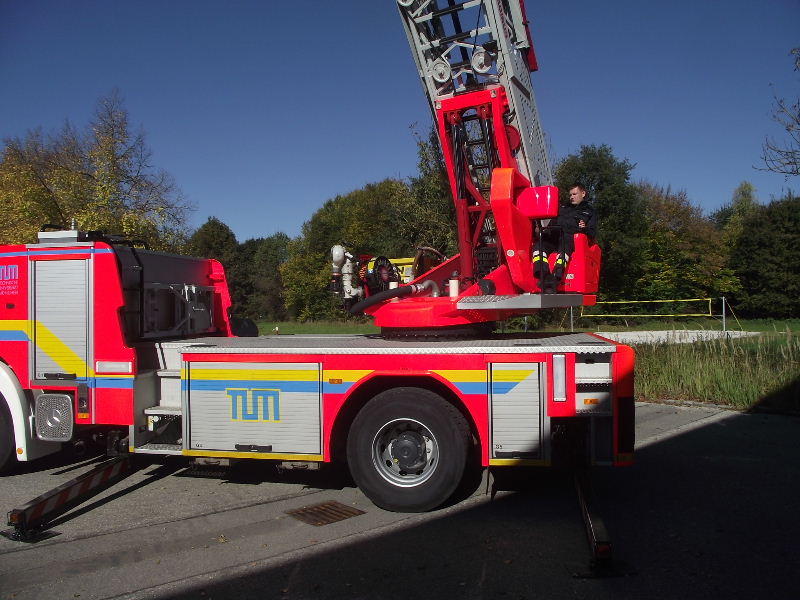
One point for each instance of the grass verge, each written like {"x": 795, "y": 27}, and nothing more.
{"x": 761, "y": 372}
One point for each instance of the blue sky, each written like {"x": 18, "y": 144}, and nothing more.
{"x": 262, "y": 110}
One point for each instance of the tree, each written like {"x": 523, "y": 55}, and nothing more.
{"x": 683, "y": 254}
{"x": 729, "y": 221}
{"x": 263, "y": 258}
{"x": 784, "y": 157}
{"x": 214, "y": 239}
{"x": 620, "y": 212}
{"x": 252, "y": 267}
{"x": 729, "y": 216}
{"x": 364, "y": 220}
{"x": 768, "y": 261}
{"x": 426, "y": 216}
{"x": 101, "y": 178}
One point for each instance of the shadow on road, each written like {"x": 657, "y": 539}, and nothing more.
{"x": 66, "y": 460}
{"x": 257, "y": 472}
{"x": 158, "y": 470}
{"x": 707, "y": 514}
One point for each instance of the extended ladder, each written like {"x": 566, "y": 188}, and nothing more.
{"x": 470, "y": 45}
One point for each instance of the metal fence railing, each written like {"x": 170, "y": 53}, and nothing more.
{"x": 707, "y": 302}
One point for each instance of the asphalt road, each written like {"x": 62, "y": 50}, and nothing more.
{"x": 706, "y": 512}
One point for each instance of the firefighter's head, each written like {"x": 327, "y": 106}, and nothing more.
{"x": 577, "y": 194}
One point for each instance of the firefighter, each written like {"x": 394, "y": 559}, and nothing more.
{"x": 576, "y": 217}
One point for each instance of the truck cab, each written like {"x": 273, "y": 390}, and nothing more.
{"x": 86, "y": 320}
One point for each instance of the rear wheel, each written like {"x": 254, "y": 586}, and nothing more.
{"x": 407, "y": 449}
{"x": 7, "y": 442}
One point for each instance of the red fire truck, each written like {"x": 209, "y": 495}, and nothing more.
{"x": 105, "y": 339}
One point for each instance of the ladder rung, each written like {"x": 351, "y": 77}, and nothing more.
{"x": 456, "y": 37}
{"x": 446, "y": 11}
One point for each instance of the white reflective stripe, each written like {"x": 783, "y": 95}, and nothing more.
{"x": 559, "y": 378}
{"x": 110, "y": 366}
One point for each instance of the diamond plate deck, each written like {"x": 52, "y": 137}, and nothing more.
{"x": 583, "y": 343}
{"x": 520, "y": 302}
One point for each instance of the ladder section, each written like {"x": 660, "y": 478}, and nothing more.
{"x": 465, "y": 46}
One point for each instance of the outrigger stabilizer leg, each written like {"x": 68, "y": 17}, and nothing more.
{"x": 596, "y": 532}
{"x": 597, "y": 535}
{"x": 31, "y": 518}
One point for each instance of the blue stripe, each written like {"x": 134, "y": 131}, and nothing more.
{"x": 103, "y": 383}
{"x": 470, "y": 387}
{"x": 37, "y": 252}
{"x": 223, "y": 384}
{"x": 115, "y": 383}
{"x": 465, "y": 387}
{"x": 14, "y": 335}
{"x": 336, "y": 388}
{"x": 503, "y": 387}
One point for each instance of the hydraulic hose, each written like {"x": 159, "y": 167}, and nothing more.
{"x": 405, "y": 290}
{"x": 359, "y": 307}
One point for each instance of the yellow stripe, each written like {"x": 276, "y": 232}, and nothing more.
{"x": 61, "y": 354}
{"x": 597, "y": 316}
{"x": 261, "y": 455}
{"x": 643, "y": 301}
{"x": 253, "y": 374}
{"x": 463, "y": 375}
{"x": 16, "y": 325}
{"x": 518, "y": 462}
{"x": 346, "y": 374}
{"x": 510, "y": 376}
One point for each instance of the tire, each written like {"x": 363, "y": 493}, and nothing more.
{"x": 407, "y": 449}
{"x": 7, "y": 441}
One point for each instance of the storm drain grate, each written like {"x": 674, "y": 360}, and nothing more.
{"x": 325, "y": 513}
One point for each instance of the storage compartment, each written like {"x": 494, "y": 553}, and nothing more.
{"x": 516, "y": 395}
{"x": 253, "y": 407}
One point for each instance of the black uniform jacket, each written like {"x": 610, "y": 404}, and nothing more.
{"x": 570, "y": 214}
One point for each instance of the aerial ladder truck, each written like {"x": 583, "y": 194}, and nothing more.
{"x": 101, "y": 338}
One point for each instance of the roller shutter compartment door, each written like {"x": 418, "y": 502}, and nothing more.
{"x": 61, "y": 318}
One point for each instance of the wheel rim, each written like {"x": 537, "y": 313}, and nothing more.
{"x": 405, "y": 452}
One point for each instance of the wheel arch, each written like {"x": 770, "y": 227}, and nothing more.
{"x": 26, "y": 445}
{"x": 374, "y": 386}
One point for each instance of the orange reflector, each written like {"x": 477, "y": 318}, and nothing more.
{"x": 334, "y": 381}
{"x": 20, "y": 450}
{"x": 591, "y": 401}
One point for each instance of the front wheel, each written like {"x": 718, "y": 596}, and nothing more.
{"x": 407, "y": 449}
